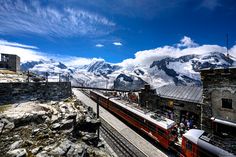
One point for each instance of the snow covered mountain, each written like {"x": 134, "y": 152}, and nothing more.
{"x": 181, "y": 70}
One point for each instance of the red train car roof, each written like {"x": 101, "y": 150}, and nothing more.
{"x": 163, "y": 122}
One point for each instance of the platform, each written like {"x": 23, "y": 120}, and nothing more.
{"x": 142, "y": 144}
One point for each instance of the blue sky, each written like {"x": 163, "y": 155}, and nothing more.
{"x": 114, "y": 29}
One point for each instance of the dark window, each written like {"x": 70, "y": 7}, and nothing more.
{"x": 160, "y": 132}
{"x": 227, "y": 103}
{"x": 151, "y": 126}
{"x": 189, "y": 145}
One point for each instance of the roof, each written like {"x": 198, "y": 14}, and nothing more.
{"x": 207, "y": 142}
{"x": 223, "y": 122}
{"x": 193, "y": 135}
{"x": 163, "y": 122}
{"x": 183, "y": 93}
{"x": 218, "y": 68}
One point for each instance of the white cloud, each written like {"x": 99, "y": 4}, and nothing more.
{"x": 23, "y": 51}
{"x": 6, "y": 43}
{"x": 31, "y": 53}
{"x": 146, "y": 57}
{"x": 187, "y": 42}
{"x": 117, "y": 43}
{"x": 99, "y": 45}
{"x": 21, "y": 17}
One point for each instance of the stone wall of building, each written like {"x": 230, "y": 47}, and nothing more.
{"x": 148, "y": 98}
{"x": 10, "y": 62}
{"x": 218, "y": 84}
{"x": 12, "y": 92}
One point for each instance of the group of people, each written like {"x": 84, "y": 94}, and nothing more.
{"x": 187, "y": 122}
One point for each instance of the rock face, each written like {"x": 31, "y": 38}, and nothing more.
{"x": 66, "y": 128}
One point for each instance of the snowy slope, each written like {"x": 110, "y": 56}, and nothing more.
{"x": 180, "y": 70}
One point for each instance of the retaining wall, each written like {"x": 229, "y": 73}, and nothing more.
{"x": 12, "y": 92}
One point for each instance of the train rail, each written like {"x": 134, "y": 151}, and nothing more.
{"x": 121, "y": 146}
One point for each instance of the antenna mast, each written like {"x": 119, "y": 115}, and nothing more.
{"x": 227, "y": 44}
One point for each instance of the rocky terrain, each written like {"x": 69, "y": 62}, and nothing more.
{"x": 42, "y": 129}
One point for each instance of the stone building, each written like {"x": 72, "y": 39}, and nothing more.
{"x": 179, "y": 103}
{"x": 184, "y": 101}
{"x": 148, "y": 98}
{"x": 218, "y": 111}
{"x": 10, "y": 62}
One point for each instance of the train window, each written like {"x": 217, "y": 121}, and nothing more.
{"x": 151, "y": 126}
{"x": 227, "y": 103}
{"x": 160, "y": 132}
{"x": 189, "y": 145}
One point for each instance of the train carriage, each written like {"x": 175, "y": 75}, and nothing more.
{"x": 101, "y": 99}
{"x": 158, "y": 129}
{"x": 195, "y": 143}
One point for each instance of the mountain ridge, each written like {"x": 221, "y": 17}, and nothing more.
{"x": 183, "y": 70}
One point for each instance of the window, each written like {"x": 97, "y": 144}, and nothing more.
{"x": 151, "y": 126}
{"x": 160, "y": 132}
{"x": 189, "y": 145}
{"x": 227, "y": 103}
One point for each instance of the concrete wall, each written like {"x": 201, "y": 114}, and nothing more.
{"x": 13, "y": 92}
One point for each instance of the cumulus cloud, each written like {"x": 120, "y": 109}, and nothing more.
{"x": 99, "y": 45}
{"x": 37, "y": 18}
{"x": 146, "y": 57}
{"x": 187, "y": 42}
{"x": 117, "y": 43}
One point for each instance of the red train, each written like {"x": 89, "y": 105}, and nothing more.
{"x": 195, "y": 143}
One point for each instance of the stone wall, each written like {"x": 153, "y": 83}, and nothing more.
{"x": 12, "y": 92}
{"x": 218, "y": 84}
{"x": 148, "y": 98}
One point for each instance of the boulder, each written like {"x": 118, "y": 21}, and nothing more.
{"x": 37, "y": 150}
{"x": 16, "y": 145}
{"x": 56, "y": 126}
{"x": 21, "y": 152}
{"x": 67, "y": 124}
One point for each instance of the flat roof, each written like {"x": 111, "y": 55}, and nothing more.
{"x": 218, "y": 68}
{"x": 183, "y": 93}
{"x": 208, "y": 142}
{"x": 163, "y": 122}
{"x": 193, "y": 135}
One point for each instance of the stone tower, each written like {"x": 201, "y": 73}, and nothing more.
{"x": 218, "y": 111}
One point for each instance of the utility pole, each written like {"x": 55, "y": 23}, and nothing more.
{"x": 227, "y": 44}
{"x": 28, "y": 76}
{"x": 59, "y": 77}
{"x": 46, "y": 76}
{"x": 98, "y": 116}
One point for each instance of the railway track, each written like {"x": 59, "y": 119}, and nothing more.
{"x": 121, "y": 146}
